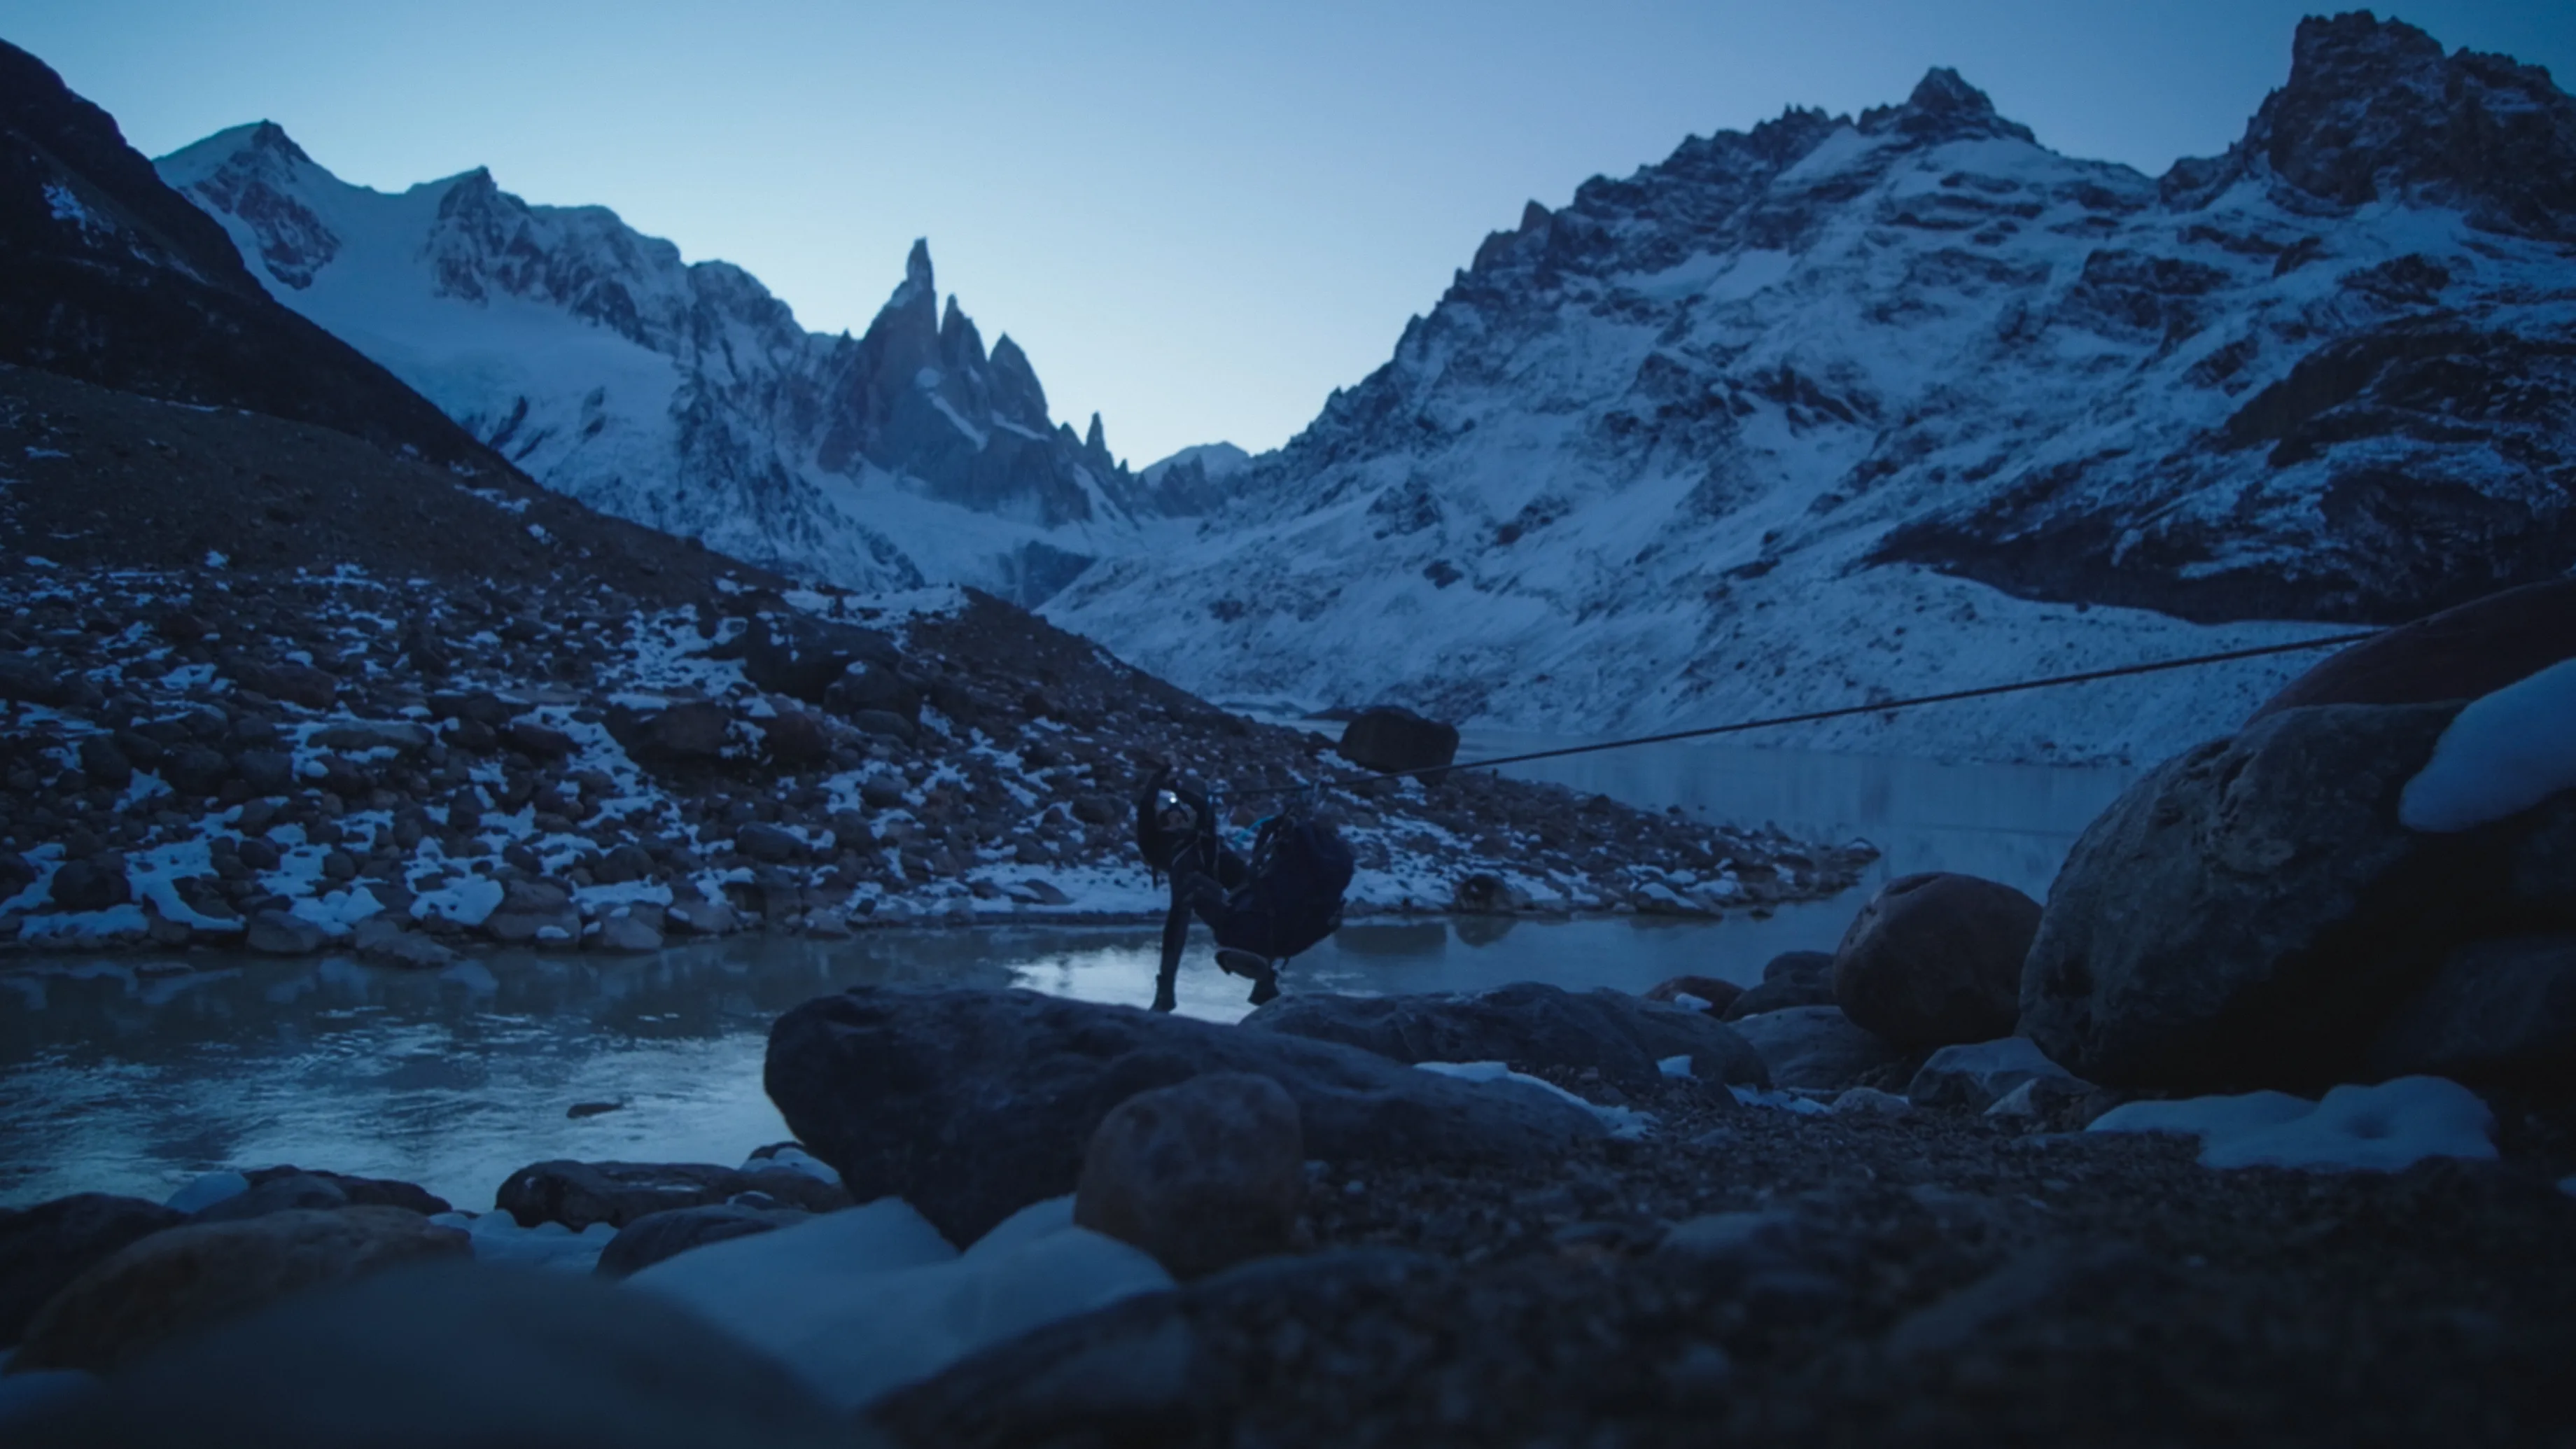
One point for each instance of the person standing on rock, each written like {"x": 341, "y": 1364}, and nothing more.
{"x": 1177, "y": 830}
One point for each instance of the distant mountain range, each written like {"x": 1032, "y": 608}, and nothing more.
{"x": 685, "y": 396}
{"x": 1850, "y": 408}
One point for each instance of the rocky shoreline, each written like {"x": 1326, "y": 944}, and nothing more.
{"x": 284, "y": 762}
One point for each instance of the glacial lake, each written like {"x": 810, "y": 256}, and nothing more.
{"x": 134, "y": 1074}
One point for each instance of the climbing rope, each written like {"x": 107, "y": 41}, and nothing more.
{"x": 1843, "y": 712}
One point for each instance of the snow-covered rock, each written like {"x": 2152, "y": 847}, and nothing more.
{"x": 685, "y": 396}
{"x": 2505, "y": 753}
{"x": 1848, "y": 409}
{"x": 2385, "y": 1128}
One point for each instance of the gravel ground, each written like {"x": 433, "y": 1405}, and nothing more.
{"x": 1923, "y": 1278}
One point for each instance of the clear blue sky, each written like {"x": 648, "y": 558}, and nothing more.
{"x": 1197, "y": 218}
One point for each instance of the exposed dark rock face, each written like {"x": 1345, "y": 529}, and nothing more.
{"x": 108, "y": 275}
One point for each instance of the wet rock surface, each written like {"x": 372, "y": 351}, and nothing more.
{"x": 1621, "y": 1039}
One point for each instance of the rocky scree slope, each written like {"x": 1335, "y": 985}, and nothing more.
{"x": 1844, "y": 409}
{"x": 685, "y": 396}
{"x": 108, "y": 276}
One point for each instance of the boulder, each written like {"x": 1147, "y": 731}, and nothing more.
{"x": 293, "y": 683}
{"x": 91, "y": 884}
{"x": 1527, "y": 1025}
{"x": 656, "y": 1236}
{"x": 1718, "y": 995}
{"x": 1389, "y": 739}
{"x": 534, "y": 912}
{"x": 400, "y": 736}
{"x": 283, "y": 933}
{"x": 1814, "y": 1047}
{"x": 104, "y": 763}
{"x": 537, "y": 740}
{"x": 867, "y": 685}
{"x": 1976, "y": 1075}
{"x": 2498, "y": 1013}
{"x": 385, "y": 943}
{"x": 480, "y": 707}
{"x": 362, "y": 1191}
{"x": 795, "y": 738}
{"x": 294, "y": 1191}
{"x": 884, "y": 724}
{"x": 188, "y": 1278}
{"x": 2458, "y": 654}
{"x": 577, "y": 1194}
{"x": 1935, "y": 959}
{"x": 197, "y": 771}
{"x": 690, "y": 732}
{"x": 44, "y": 1247}
{"x": 796, "y": 654}
{"x": 1793, "y": 978}
{"x": 972, "y": 1104}
{"x": 769, "y": 844}
{"x": 460, "y": 1354}
{"x": 267, "y": 772}
{"x": 2251, "y": 913}
{"x": 627, "y": 934}
{"x": 1202, "y": 1174}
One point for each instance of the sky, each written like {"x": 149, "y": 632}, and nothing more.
{"x": 1198, "y": 219}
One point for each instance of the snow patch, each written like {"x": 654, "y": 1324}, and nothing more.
{"x": 2353, "y": 1129}
{"x": 2505, "y": 753}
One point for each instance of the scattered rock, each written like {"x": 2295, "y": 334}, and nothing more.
{"x": 536, "y": 740}
{"x": 1976, "y": 1075}
{"x": 769, "y": 843}
{"x": 191, "y": 1277}
{"x": 577, "y": 1194}
{"x": 44, "y": 1247}
{"x": 870, "y": 686}
{"x": 884, "y": 1085}
{"x": 1936, "y": 958}
{"x": 1481, "y": 894}
{"x": 627, "y": 933}
{"x": 1528, "y": 1025}
{"x": 1716, "y": 995}
{"x": 1793, "y": 978}
{"x": 667, "y": 1234}
{"x": 386, "y": 943}
{"x": 1390, "y": 738}
{"x": 93, "y": 884}
{"x": 292, "y": 683}
{"x": 692, "y": 731}
{"x": 283, "y": 933}
{"x": 2498, "y": 1013}
{"x": 1814, "y": 1048}
{"x": 798, "y": 655}
{"x": 1202, "y": 1174}
{"x": 534, "y": 913}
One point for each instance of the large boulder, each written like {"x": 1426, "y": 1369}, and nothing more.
{"x": 2498, "y": 1013}
{"x": 453, "y": 1355}
{"x": 682, "y": 733}
{"x": 46, "y": 1246}
{"x": 92, "y": 884}
{"x": 1814, "y": 1047}
{"x": 1390, "y": 739}
{"x": 2252, "y": 913}
{"x": 867, "y": 685}
{"x": 1792, "y": 978}
{"x": 1936, "y": 958}
{"x": 2460, "y": 653}
{"x": 1527, "y": 1025}
{"x": 655, "y": 1237}
{"x": 577, "y": 1194}
{"x": 188, "y": 1278}
{"x": 973, "y": 1104}
{"x": 1202, "y": 1174}
{"x": 798, "y": 655}
{"x": 534, "y": 912}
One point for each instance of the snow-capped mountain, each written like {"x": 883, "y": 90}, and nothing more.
{"x": 685, "y": 396}
{"x": 1851, "y": 409}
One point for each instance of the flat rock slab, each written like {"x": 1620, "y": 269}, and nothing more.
{"x": 1815, "y": 1047}
{"x": 578, "y": 1194}
{"x": 1527, "y": 1025}
{"x": 973, "y": 1104}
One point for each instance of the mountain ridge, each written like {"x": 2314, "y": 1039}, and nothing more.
{"x": 1704, "y": 441}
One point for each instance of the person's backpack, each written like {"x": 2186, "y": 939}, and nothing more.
{"x": 1293, "y": 899}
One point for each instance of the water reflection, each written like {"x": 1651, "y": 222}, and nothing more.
{"x": 134, "y": 1075}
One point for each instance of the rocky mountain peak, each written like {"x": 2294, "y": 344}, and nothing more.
{"x": 2375, "y": 110}
{"x": 1944, "y": 107}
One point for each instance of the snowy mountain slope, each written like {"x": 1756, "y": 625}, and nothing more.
{"x": 685, "y": 396}
{"x": 1850, "y": 409}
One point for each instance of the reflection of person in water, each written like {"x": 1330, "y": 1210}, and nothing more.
{"x": 1178, "y": 833}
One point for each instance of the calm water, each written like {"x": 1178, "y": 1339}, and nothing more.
{"x": 134, "y": 1075}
